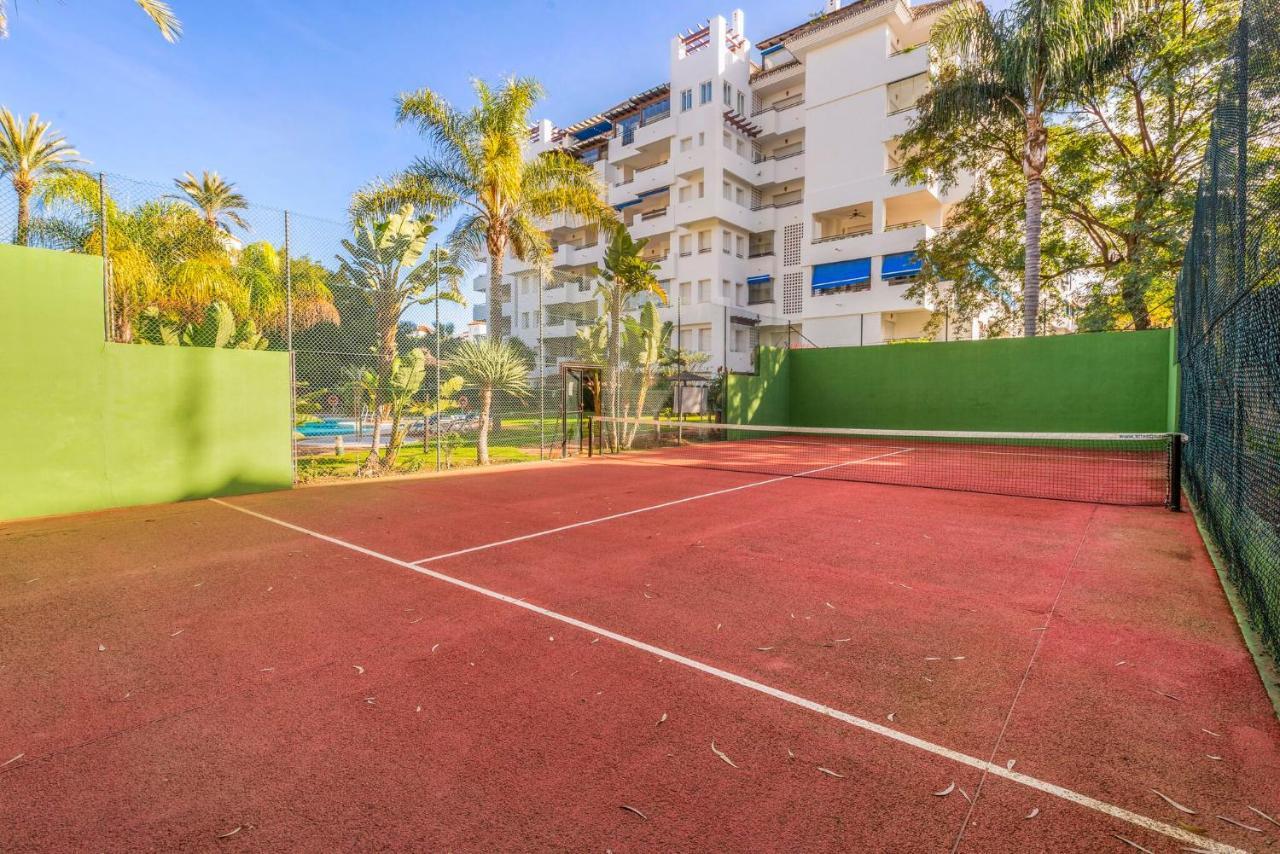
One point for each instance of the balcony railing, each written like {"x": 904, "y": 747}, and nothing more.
{"x": 832, "y": 237}
{"x": 761, "y": 253}
{"x": 785, "y": 104}
{"x": 899, "y": 226}
{"x": 787, "y": 155}
{"x": 640, "y": 169}
{"x": 653, "y": 214}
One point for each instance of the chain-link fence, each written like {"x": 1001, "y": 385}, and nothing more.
{"x": 393, "y": 371}
{"x": 1228, "y": 312}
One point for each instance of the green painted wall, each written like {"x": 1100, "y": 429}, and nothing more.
{"x": 86, "y": 425}
{"x": 764, "y": 398}
{"x": 1105, "y": 382}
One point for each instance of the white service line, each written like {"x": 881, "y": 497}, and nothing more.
{"x": 535, "y": 535}
{"x": 777, "y": 693}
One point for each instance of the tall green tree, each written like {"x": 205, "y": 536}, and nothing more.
{"x": 160, "y": 13}
{"x": 478, "y": 162}
{"x": 494, "y": 368}
{"x": 30, "y": 152}
{"x": 382, "y": 266}
{"x": 1019, "y": 67}
{"x": 626, "y": 275}
{"x": 217, "y": 200}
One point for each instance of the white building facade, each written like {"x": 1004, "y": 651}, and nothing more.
{"x": 764, "y": 183}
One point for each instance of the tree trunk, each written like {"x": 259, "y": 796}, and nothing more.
{"x": 1031, "y": 281}
{"x": 23, "y": 189}
{"x": 482, "y": 432}
{"x": 614, "y": 355}
{"x": 372, "y": 465}
{"x": 1135, "y": 302}
{"x": 394, "y": 443}
{"x": 495, "y": 296}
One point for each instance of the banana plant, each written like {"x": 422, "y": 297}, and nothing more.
{"x": 217, "y": 329}
{"x": 403, "y": 383}
{"x": 647, "y": 338}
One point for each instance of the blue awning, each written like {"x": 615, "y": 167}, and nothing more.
{"x": 901, "y": 264}
{"x": 622, "y": 205}
{"x": 758, "y": 280}
{"x": 772, "y": 49}
{"x": 649, "y": 193}
{"x": 841, "y": 274}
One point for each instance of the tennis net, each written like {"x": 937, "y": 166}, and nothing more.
{"x": 1102, "y": 468}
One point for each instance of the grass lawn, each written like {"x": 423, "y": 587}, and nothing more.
{"x": 413, "y": 458}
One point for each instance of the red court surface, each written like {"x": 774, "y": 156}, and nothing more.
{"x": 570, "y": 656}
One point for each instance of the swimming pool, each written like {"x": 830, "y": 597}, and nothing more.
{"x": 327, "y": 427}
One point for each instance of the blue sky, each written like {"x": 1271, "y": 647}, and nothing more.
{"x": 293, "y": 99}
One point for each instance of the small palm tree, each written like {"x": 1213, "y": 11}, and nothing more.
{"x": 1023, "y": 64}
{"x": 479, "y": 164}
{"x": 31, "y": 152}
{"x": 216, "y": 199}
{"x": 382, "y": 265}
{"x": 626, "y": 274}
{"x": 157, "y": 10}
{"x": 493, "y": 367}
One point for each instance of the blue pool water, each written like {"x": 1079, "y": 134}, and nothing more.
{"x": 327, "y": 427}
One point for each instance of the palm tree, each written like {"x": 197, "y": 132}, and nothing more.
{"x": 29, "y": 153}
{"x": 626, "y": 274}
{"x": 382, "y": 264}
{"x": 493, "y": 367}
{"x": 1023, "y": 64}
{"x": 215, "y": 199}
{"x": 478, "y": 163}
{"x": 158, "y": 11}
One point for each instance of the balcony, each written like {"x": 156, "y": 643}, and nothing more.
{"x": 846, "y": 236}
{"x": 782, "y": 117}
{"x": 651, "y": 223}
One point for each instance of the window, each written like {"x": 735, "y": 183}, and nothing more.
{"x": 741, "y": 147}
{"x": 524, "y": 320}
{"x": 684, "y": 293}
{"x": 686, "y": 245}
{"x": 704, "y": 291}
{"x": 686, "y": 100}
{"x": 852, "y": 275}
{"x": 903, "y": 94}
{"x": 741, "y": 197}
{"x": 728, "y": 141}
{"x": 704, "y": 339}
{"x": 704, "y": 93}
{"x": 726, "y": 290}
{"x": 739, "y": 243}
{"x": 728, "y": 191}
{"x": 686, "y": 193}
{"x": 702, "y": 189}
{"x": 742, "y": 103}
{"x": 726, "y": 242}
{"x": 900, "y": 269}
{"x": 702, "y": 138}
{"x": 740, "y": 340}
{"x": 686, "y": 144}
{"x": 704, "y": 242}
{"x": 728, "y": 94}
{"x": 739, "y": 294}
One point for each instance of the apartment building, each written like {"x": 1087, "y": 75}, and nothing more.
{"x": 762, "y": 177}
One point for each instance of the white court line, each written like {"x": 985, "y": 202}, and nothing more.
{"x": 652, "y": 507}
{"x": 777, "y": 693}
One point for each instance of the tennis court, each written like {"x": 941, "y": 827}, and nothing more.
{"x": 735, "y": 644}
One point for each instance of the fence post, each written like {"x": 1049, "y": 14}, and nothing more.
{"x": 542, "y": 374}
{"x": 288, "y": 343}
{"x": 108, "y": 297}
{"x": 439, "y": 408}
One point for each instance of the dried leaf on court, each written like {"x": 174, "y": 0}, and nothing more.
{"x": 842, "y": 640}
{"x": 829, "y": 605}
{"x": 932, "y": 658}
{"x": 1264, "y": 815}
{"x": 636, "y": 811}
{"x": 435, "y": 647}
{"x": 102, "y": 647}
{"x": 718, "y": 752}
{"x": 957, "y": 658}
{"x": 414, "y": 622}
{"x": 1034, "y": 812}
{"x": 764, "y": 648}
{"x": 231, "y": 832}
{"x": 359, "y": 669}
{"x": 419, "y": 709}
{"x": 790, "y": 753}
{"x": 891, "y": 714}
{"x": 718, "y": 625}
{"x": 551, "y": 637}
{"x": 1241, "y": 824}
{"x": 1211, "y": 732}
{"x": 595, "y": 640}
{"x": 1214, "y": 758}
{"x": 178, "y": 632}
{"x": 1171, "y": 802}
{"x": 662, "y": 719}
{"x": 965, "y": 795}
{"x": 1131, "y": 843}
{"x": 830, "y": 773}
{"x": 13, "y": 760}
{"x": 948, "y": 790}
